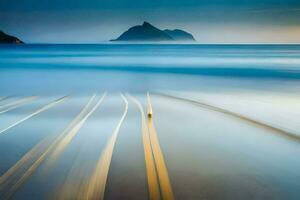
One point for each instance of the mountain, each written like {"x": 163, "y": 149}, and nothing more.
{"x": 149, "y": 33}
{"x": 7, "y": 39}
{"x": 145, "y": 32}
{"x": 180, "y": 35}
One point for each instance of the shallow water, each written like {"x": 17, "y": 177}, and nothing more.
{"x": 243, "y": 144}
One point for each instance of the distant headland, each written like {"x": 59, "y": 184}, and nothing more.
{"x": 149, "y": 33}
{"x": 8, "y": 39}
{"x": 140, "y": 33}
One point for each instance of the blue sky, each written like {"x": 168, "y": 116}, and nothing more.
{"x": 210, "y": 21}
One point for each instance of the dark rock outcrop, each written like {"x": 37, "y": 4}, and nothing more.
{"x": 180, "y": 35}
{"x": 149, "y": 33}
{"x": 7, "y": 39}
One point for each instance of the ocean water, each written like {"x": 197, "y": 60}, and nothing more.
{"x": 117, "y": 67}
{"x": 226, "y": 117}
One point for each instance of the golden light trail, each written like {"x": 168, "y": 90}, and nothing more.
{"x": 7, "y": 182}
{"x": 163, "y": 176}
{"x": 278, "y": 131}
{"x": 10, "y": 182}
{"x": 72, "y": 133}
{"x": 16, "y": 104}
{"x": 29, "y": 156}
{"x": 51, "y": 161}
{"x": 153, "y": 186}
{"x": 42, "y": 109}
{"x": 75, "y": 121}
{"x": 8, "y": 104}
{"x": 97, "y": 182}
{"x": 10, "y": 175}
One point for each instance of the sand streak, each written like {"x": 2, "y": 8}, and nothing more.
{"x": 163, "y": 176}
{"x": 97, "y": 182}
{"x": 16, "y": 104}
{"x": 153, "y": 186}
{"x": 278, "y": 131}
{"x": 10, "y": 181}
{"x": 72, "y": 133}
{"x": 42, "y": 109}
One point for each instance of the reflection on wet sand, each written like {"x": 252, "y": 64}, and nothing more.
{"x": 278, "y": 131}
{"x": 220, "y": 147}
{"x": 12, "y": 105}
{"x": 87, "y": 174}
{"x": 94, "y": 186}
{"x": 42, "y": 109}
{"x": 13, "y": 178}
{"x": 163, "y": 176}
{"x": 153, "y": 186}
{"x": 18, "y": 174}
{"x": 97, "y": 182}
{"x": 159, "y": 184}
{"x": 71, "y": 131}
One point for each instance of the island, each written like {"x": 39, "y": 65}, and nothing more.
{"x": 8, "y": 39}
{"x": 149, "y": 33}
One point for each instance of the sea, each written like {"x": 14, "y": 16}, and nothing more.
{"x": 47, "y": 69}
{"x": 220, "y": 121}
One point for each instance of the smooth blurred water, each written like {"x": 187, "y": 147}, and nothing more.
{"x": 48, "y": 69}
{"x": 209, "y": 155}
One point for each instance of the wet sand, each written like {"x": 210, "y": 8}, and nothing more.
{"x": 113, "y": 149}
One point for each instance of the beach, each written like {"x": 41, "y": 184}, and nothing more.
{"x": 121, "y": 121}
